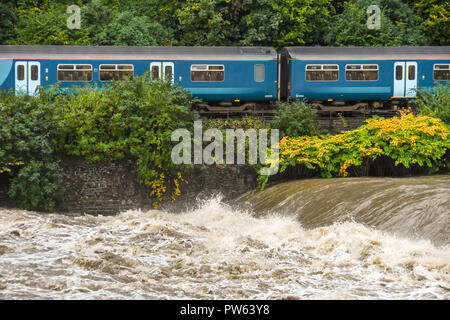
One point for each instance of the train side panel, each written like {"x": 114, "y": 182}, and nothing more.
{"x": 426, "y": 78}
{"x": 238, "y": 84}
{"x": 6, "y": 74}
{"x": 345, "y": 90}
{"x": 239, "y": 81}
{"x": 340, "y": 89}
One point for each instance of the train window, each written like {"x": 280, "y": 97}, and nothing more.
{"x": 203, "y": 72}
{"x": 411, "y": 72}
{"x": 259, "y": 73}
{"x": 168, "y": 73}
{"x": 110, "y": 72}
{"x": 20, "y": 72}
{"x": 34, "y": 73}
{"x": 327, "y": 72}
{"x": 361, "y": 72}
{"x": 74, "y": 72}
{"x": 399, "y": 73}
{"x": 155, "y": 72}
{"x": 441, "y": 72}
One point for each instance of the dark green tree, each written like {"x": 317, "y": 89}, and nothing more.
{"x": 302, "y": 21}
{"x": 45, "y": 23}
{"x": 434, "y": 16}
{"x": 8, "y": 19}
{"x": 398, "y": 25}
{"x": 128, "y": 29}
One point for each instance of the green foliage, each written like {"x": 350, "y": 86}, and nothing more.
{"x": 127, "y": 28}
{"x": 37, "y": 186}
{"x": 126, "y": 118}
{"x": 27, "y": 152}
{"x": 7, "y": 20}
{"x": 295, "y": 119}
{"x": 243, "y": 123}
{"x": 200, "y": 23}
{"x": 46, "y": 25}
{"x": 435, "y": 18}
{"x": 398, "y": 25}
{"x": 262, "y": 25}
{"x": 303, "y": 21}
{"x": 435, "y": 102}
{"x": 275, "y": 23}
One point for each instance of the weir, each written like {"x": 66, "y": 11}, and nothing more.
{"x": 413, "y": 207}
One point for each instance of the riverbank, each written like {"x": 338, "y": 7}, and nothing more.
{"x": 110, "y": 187}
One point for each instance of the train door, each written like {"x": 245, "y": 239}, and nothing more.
{"x": 34, "y": 78}
{"x": 162, "y": 70}
{"x": 21, "y": 77}
{"x": 411, "y": 79}
{"x": 28, "y": 76}
{"x": 405, "y": 79}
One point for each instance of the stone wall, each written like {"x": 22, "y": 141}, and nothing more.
{"x": 336, "y": 124}
{"x": 110, "y": 187}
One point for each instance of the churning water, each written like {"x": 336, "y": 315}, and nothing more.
{"x": 217, "y": 252}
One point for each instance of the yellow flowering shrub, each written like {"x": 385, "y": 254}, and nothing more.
{"x": 406, "y": 139}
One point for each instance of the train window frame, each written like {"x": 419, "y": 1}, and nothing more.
{"x": 158, "y": 76}
{"x": 322, "y": 69}
{"x": 396, "y": 74}
{"x": 58, "y": 69}
{"x": 207, "y": 68}
{"x": 116, "y": 69}
{"x": 362, "y": 70}
{"x": 441, "y": 69}
{"x": 22, "y": 73}
{"x": 170, "y": 79}
{"x": 34, "y": 73}
{"x": 257, "y": 74}
{"x": 413, "y": 73}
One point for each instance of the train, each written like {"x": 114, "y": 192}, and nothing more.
{"x": 241, "y": 79}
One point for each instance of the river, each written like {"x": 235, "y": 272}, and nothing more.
{"x": 355, "y": 238}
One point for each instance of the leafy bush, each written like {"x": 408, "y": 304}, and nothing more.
{"x": 243, "y": 123}
{"x": 247, "y": 129}
{"x": 407, "y": 140}
{"x": 126, "y": 118}
{"x": 27, "y": 152}
{"x": 398, "y": 25}
{"x": 295, "y": 119}
{"x": 37, "y": 185}
{"x": 435, "y": 103}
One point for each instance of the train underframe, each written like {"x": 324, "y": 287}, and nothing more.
{"x": 323, "y": 108}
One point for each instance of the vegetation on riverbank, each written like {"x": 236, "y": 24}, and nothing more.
{"x": 135, "y": 119}
{"x": 130, "y": 118}
{"x": 27, "y": 151}
{"x": 406, "y": 140}
{"x": 435, "y": 103}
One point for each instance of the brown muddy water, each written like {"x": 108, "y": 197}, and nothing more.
{"x": 368, "y": 238}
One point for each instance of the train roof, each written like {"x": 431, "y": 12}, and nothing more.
{"x": 137, "y": 53}
{"x": 368, "y": 53}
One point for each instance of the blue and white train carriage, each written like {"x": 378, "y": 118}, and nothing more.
{"x": 354, "y": 77}
{"x": 239, "y": 78}
{"x": 225, "y": 74}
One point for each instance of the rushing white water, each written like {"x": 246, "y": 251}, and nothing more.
{"x": 213, "y": 252}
